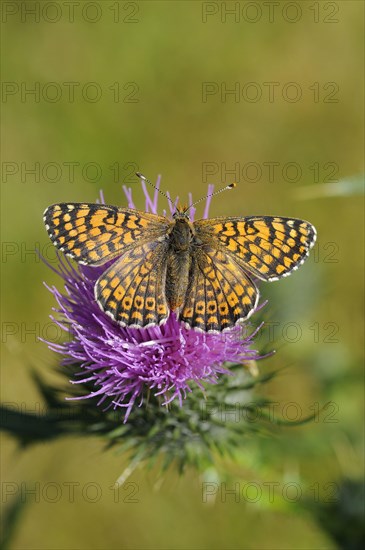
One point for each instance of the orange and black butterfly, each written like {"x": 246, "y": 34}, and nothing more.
{"x": 202, "y": 270}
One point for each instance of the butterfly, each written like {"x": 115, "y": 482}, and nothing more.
{"x": 205, "y": 271}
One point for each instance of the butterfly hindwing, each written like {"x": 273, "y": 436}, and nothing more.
{"x": 93, "y": 234}
{"x": 132, "y": 290}
{"x": 220, "y": 293}
{"x": 269, "y": 247}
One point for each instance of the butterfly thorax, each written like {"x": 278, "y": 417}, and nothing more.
{"x": 181, "y": 234}
{"x": 180, "y": 240}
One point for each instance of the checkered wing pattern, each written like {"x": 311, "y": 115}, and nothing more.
{"x": 220, "y": 293}
{"x": 93, "y": 234}
{"x": 268, "y": 247}
{"x": 132, "y": 290}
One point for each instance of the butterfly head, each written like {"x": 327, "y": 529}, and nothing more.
{"x": 181, "y": 213}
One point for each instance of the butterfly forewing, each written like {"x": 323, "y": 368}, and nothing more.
{"x": 94, "y": 234}
{"x": 268, "y": 247}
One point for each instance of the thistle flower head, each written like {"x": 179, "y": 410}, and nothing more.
{"x": 123, "y": 366}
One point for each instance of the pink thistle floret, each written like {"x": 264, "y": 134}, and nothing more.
{"x": 123, "y": 363}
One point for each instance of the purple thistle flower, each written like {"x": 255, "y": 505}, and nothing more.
{"x": 123, "y": 364}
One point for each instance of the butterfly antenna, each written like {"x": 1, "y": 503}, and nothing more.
{"x": 143, "y": 178}
{"x": 226, "y": 188}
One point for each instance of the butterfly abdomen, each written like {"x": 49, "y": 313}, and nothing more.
{"x": 178, "y": 263}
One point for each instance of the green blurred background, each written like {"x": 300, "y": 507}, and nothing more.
{"x": 149, "y": 64}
